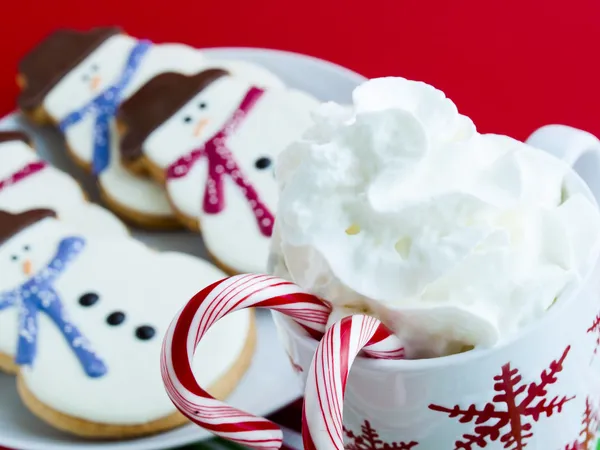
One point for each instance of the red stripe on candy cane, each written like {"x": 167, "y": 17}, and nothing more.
{"x": 384, "y": 345}
{"x": 324, "y": 395}
{"x": 206, "y": 308}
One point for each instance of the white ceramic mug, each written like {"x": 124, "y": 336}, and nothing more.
{"x": 540, "y": 391}
{"x": 422, "y": 404}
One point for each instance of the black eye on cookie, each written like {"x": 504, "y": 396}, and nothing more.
{"x": 263, "y": 163}
{"x": 188, "y": 118}
{"x": 88, "y": 75}
{"x": 15, "y": 258}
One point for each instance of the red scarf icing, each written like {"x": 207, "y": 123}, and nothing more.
{"x": 25, "y": 172}
{"x": 221, "y": 163}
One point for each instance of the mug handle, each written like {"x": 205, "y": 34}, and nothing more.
{"x": 322, "y": 419}
{"x": 216, "y": 301}
{"x": 578, "y": 148}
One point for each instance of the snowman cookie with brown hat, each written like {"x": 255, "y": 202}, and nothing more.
{"x": 77, "y": 80}
{"x": 83, "y": 317}
{"x": 212, "y": 139}
{"x": 27, "y": 182}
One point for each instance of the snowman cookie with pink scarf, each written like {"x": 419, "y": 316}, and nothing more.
{"x": 77, "y": 80}
{"x": 212, "y": 139}
{"x": 27, "y": 182}
{"x": 83, "y": 317}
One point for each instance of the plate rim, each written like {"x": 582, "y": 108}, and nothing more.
{"x": 356, "y": 76}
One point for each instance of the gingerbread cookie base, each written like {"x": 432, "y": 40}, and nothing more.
{"x": 84, "y": 193}
{"x": 221, "y": 389}
{"x": 7, "y": 364}
{"x": 144, "y": 166}
{"x": 37, "y": 115}
{"x": 135, "y": 218}
{"x": 91, "y": 430}
{"x": 221, "y": 265}
{"x": 40, "y": 117}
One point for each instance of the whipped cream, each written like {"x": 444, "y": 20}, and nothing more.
{"x": 397, "y": 207}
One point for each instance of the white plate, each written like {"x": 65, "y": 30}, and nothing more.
{"x": 270, "y": 383}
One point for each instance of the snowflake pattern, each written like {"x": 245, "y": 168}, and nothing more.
{"x": 369, "y": 440}
{"x": 522, "y": 403}
{"x": 104, "y": 108}
{"x": 21, "y": 174}
{"x": 589, "y": 428}
{"x": 595, "y": 328}
{"x": 221, "y": 163}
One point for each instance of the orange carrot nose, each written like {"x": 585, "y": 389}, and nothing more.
{"x": 27, "y": 267}
{"x": 95, "y": 83}
{"x": 199, "y": 127}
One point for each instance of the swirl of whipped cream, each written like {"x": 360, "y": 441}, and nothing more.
{"x": 454, "y": 239}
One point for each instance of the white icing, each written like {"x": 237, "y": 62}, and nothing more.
{"x": 139, "y": 193}
{"x": 452, "y": 238}
{"x": 278, "y": 117}
{"x": 75, "y": 90}
{"x": 53, "y": 189}
{"x": 147, "y": 286}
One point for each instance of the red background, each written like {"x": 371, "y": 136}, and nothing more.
{"x": 512, "y": 65}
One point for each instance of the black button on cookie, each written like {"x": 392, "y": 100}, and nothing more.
{"x": 145, "y": 332}
{"x": 116, "y": 318}
{"x": 88, "y": 299}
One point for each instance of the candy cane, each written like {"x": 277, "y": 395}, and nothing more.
{"x": 206, "y": 308}
{"x": 322, "y": 427}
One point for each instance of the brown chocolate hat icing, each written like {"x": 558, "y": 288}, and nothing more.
{"x": 9, "y": 136}
{"x": 11, "y": 224}
{"x": 43, "y": 67}
{"x": 155, "y": 102}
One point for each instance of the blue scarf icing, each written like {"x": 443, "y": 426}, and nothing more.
{"x": 38, "y": 295}
{"x": 104, "y": 106}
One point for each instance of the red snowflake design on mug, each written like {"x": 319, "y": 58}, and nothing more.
{"x": 509, "y": 416}
{"x": 595, "y": 328}
{"x": 589, "y": 427}
{"x": 369, "y": 439}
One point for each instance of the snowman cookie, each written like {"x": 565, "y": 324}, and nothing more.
{"x": 78, "y": 79}
{"x": 27, "y": 182}
{"x": 212, "y": 138}
{"x": 84, "y": 316}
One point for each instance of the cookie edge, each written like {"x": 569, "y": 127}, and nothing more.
{"x": 83, "y": 428}
{"x": 7, "y": 364}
